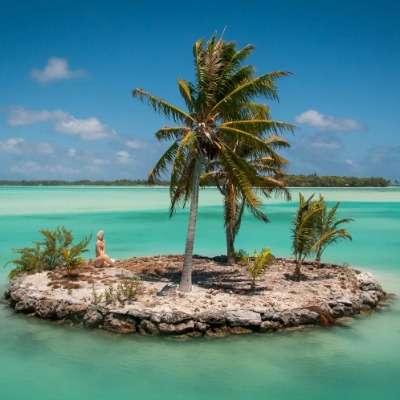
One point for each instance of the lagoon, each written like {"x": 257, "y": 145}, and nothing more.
{"x": 40, "y": 360}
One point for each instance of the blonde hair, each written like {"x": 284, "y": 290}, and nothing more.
{"x": 100, "y": 235}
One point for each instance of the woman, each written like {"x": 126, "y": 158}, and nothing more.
{"x": 102, "y": 259}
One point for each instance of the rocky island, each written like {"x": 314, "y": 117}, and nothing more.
{"x": 140, "y": 296}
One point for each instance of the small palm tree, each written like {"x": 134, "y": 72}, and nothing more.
{"x": 314, "y": 229}
{"x": 257, "y": 264}
{"x": 327, "y": 231}
{"x": 303, "y": 230}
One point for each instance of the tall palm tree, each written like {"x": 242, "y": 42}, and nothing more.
{"x": 223, "y": 88}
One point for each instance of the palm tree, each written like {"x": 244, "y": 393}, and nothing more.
{"x": 303, "y": 230}
{"x": 223, "y": 88}
{"x": 327, "y": 229}
{"x": 266, "y": 178}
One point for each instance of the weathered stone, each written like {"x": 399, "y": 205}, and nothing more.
{"x": 193, "y": 334}
{"x": 165, "y": 290}
{"x": 267, "y": 326}
{"x": 367, "y": 282}
{"x": 239, "y": 330}
{"x": 74, "y": 312}
{"x": 19, "y": 294}
{"x": 141, "y": 331}
{"x": 218, "y": 331}
{"x": 211, "y": 317}
{"x": 176, "y": 329}
{"x": 243, "y": 318}
{"x": 26, "y": 306}
{"x": 120, "y": 323}
{"x": 174, "y": 317}
{"x": 92, "y": 318}
{"x": 276, "y": 317}
{"x": 378, "y": 294}
{"x": 201, "y": 326}
{"x": 338, "y": 310}
{"x": 45, "y": 309}
{"x": 299, "y": 317}
{"x": 266, "y": 314}
{"x": 139, "y": 314}
{"x": 346, "y": 301}
{"x": 149, "y": 327}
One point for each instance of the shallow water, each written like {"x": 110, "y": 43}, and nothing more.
{"x": 40, "y": 360}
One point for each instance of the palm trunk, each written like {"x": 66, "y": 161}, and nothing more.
{"x": 229, "y": 224}
{"x": 318, "y": 255}
{"x": 297, "y": 272}
{"x": 186, "y": 277}
{"x": 230, "y": 247}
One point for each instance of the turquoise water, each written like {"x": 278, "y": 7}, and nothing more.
{"x": 40, "y": 360}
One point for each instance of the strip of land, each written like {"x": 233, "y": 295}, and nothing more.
{"x": 140, "y": 295}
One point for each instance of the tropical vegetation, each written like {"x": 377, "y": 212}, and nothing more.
{"x": 255, "y": 265}
{"x": 267, "y": 173}
{"x": 221, "y": 113}
{"x": 314, "y": 180}
{"x": 56, "y": 250}
{"x": 314, "y": 229}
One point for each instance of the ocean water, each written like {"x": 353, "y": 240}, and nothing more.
{"x": 41, "y": 360}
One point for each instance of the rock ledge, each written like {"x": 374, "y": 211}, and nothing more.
{"x": 221, "y": 302}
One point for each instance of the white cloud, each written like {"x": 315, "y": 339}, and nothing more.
{"x": 326, "y": 145}
{"x": 136, "y": 144}
{"x": 45, "y": 148}
{"x": 349, "y": 162}
{"x": 56, "y": 69}
{"x": 20, "y": 146}
{"x": 123, "y": 157}
{"x": 88, "y": 129}
{"x": 327, "y": 123}
{"x": 19, "y": 116}
{"x": 44, "y": 171}
{"x": 12, "y": 145}
{"x": 72, "y": 152}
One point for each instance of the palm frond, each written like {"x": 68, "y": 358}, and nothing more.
{"x": 259, "y": 126}
{"x": 261, "y": 86}
{"x": 169, "y": 133}
{"x": 186, "y": 90}
{"x": 162, "y": 164}
{"x": 163, "y": 107}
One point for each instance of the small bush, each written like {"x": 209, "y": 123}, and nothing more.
{"x": 55, "y": 251}
{"x": 255, "y": 265}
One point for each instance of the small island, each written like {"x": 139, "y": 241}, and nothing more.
{"x": 140, "y": 296}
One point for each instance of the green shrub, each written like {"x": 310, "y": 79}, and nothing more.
{"x": 314, "y": 229}
{"x": 54, "y": 251}
{"x": 255, "y": 265}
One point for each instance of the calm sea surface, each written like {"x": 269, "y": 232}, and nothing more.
{"x": 40, "y": 360}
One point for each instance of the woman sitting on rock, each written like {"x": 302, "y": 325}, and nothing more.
{"x": 102, "y": 259}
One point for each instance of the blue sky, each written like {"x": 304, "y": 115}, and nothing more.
{"x": 68, "y": 68}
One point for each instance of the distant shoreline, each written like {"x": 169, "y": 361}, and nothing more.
{"x": 293, "y": 181}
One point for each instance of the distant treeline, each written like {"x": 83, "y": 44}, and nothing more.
{"x": 334, "y": 181}
{"x": 84, "y": 182}
{"x": 291, "y": 181}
